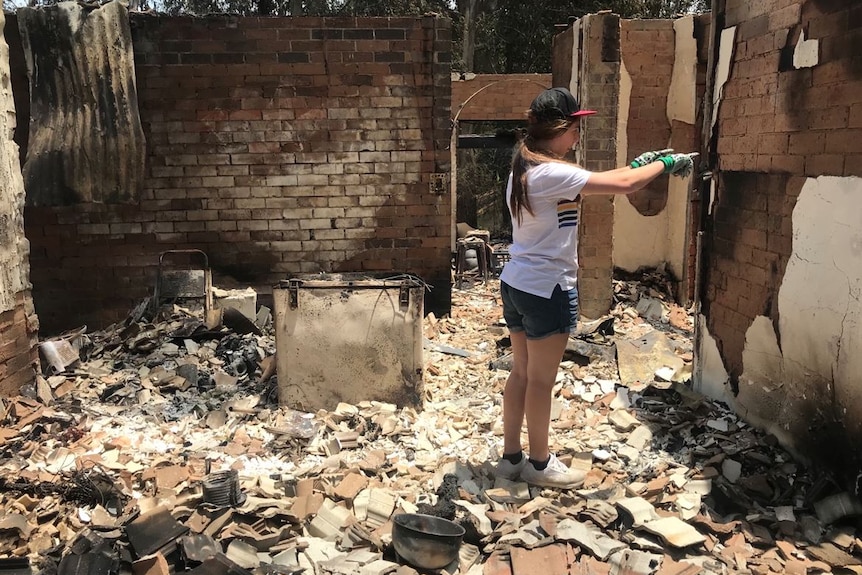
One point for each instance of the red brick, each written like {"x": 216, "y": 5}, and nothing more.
{"x": 828, "y": 25}
{"x": 786, "y": 17}
{"x": 12, "y": 382}
{"x": 830, "y": 118}
{"x": 843, "y": 141}
{"x": 807, "y": 143}
{"x": 824, "y": 165}
{"x": 772, "y": 144}
{"x": 218, "y": 129}
{"x": 853, "y": 165}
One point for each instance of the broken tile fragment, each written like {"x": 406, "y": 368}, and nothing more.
{"x": 588, "y": 537}
{"x": 674, "y": 531}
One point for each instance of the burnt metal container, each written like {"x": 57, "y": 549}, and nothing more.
{"x": 349, "y": 338}
{"x": 426, "y": 541}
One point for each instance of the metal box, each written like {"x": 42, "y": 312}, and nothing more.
{"x": 348, "y": 338}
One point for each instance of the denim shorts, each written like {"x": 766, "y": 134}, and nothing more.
{"x": 540, "y": 317}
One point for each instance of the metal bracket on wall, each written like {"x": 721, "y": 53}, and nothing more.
{"x": 439, "y": 184}
{"x": 293, "y": 293}
{"x": 404, "y": 297}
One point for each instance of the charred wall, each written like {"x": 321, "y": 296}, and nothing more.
{"x": 662, "y": 79}
{"x": 84, "y": 142}
{"x": 18, "y": 322}
{"x": 781, "y": 306}
{"x": 645, "y": 78}
{"x": 278, "y": 146}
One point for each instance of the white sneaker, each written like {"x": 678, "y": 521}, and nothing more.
{"x": 556, "y": 474}
{"x": 505, "y": 469}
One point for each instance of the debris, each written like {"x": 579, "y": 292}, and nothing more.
{"x": 432, "y": 346}
{"x": 109, "y": 466}
{"x": 837, "y": 506}
{"x": 57, "y": 355}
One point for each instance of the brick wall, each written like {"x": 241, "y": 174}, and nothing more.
{"x": 599, "y": 69}
{"x": 658, "y": 115}
{"x": 18, "y": 339}
{"x": 590, "y": 57}
{"x": 776, "y": 123}
{"x": 496, "y": 96}
{"x": 278, "y": 146}
{"x": 777, "y": 119}
{"x": 583, "y": 49}
{"x": 750, "y": 244}
{"x": 648, "y": 52}
{"x": 778, "y": 129}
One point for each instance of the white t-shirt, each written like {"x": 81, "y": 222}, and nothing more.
{"x": 544, "y": 250}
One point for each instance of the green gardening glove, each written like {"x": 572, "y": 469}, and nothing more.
{"x": 679, "y": 164}
{"x": 650, "y": 157}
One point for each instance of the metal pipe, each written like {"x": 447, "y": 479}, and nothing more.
{"x": 697, "y": 371}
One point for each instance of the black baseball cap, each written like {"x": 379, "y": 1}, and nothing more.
{"x": 557, "y": 104}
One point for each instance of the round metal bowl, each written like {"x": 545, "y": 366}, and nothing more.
{"x": 426, "y": 541}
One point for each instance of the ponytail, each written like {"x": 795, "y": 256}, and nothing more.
{"x": 519, "y": 199}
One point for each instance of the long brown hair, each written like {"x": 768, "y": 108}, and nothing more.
{"x": 531, "y": 151}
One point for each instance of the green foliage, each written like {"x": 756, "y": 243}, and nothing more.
{"x": 514, "y": 37}
{"x": 307, "y": 7}
{"x": 395, "y": 7}
{"x": 511, "y": 36}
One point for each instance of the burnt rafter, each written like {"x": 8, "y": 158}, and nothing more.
{"x": 86, "y": 141}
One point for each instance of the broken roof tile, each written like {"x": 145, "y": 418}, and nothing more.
{"x": 341, "y": 475}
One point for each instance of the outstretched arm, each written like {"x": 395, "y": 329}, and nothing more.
{"x": 628, "y": 180}
{"x": 623, "y": 180}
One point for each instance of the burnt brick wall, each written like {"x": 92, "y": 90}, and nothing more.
{"x": 599, "y": 71}
{"x": 496, "y": 96}
{"x": 647, "y": 48}
{"x": 776, "y": 125}
{"x": 18, "y": 345}
{"x": 751, "y": 241}
{"x": 778, "y": 119}
{"x": 278, "y": 146}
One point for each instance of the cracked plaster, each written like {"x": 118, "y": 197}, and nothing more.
{"x": 804, "y": 385}
{"x": 649, "y": 241}
{"x": 711, "y": 378}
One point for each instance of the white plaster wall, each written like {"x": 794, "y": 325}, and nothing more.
{"x": 682, "y": 100}
{"x": 14, "y": 248}
{"x": 681, "y": 107}
{"x": 726, "y": 49}
{"x": 763, "y": 387}
{"x": 663, "y": 238}
{"x": 710, "y": 375}
{"x": 819, "y": 301}
{"x": 638, "y": 240}
{"x": 678, "y": 222}
{"x": 814, "y": 366}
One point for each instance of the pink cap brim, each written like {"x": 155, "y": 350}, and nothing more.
{"x": 583, "y": 113}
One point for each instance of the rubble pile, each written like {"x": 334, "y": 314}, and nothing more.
{"x": 162, "y": 449}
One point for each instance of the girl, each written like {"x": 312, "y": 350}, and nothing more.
{"x": 539, "y": 283}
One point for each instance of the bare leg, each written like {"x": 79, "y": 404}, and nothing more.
{"x": 514, "y": 394}
{"x": 544, "y": 356}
